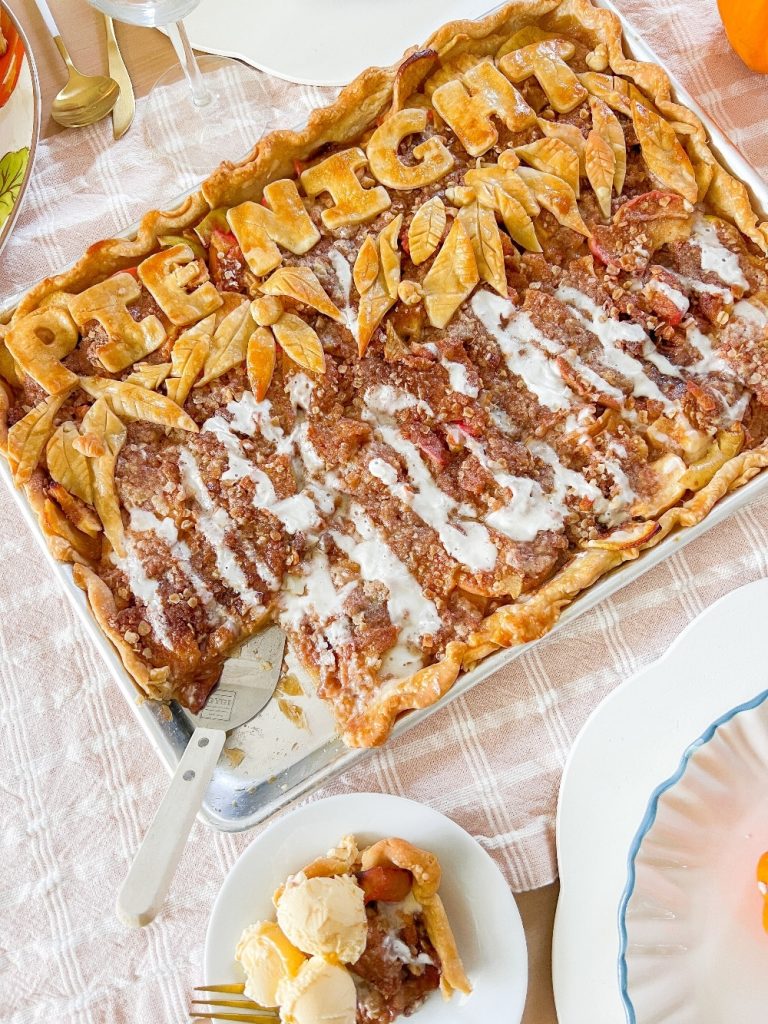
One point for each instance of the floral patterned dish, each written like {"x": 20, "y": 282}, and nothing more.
{"x": 19, "y": 119}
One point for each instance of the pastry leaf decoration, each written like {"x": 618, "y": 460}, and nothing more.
{"x": 67, "y": 464}
{"x": 132, "y": 402}
{"x": 260, "y": 361}
{"x": 426, "y": 229}
{"x": 300, "y": 342}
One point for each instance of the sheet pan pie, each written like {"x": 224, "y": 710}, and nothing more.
{"x": 408, "y": 380}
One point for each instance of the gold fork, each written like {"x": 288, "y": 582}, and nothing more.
{"x": 252, "y": 1012}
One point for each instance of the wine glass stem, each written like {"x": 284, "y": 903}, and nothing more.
{"x": 178, "y": 35}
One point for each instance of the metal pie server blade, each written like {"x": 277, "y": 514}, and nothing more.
{"x": 247, "y": 684}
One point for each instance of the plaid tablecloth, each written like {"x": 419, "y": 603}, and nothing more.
{"x": 78, "y": 780}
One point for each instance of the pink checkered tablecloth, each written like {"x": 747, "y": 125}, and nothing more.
{"x": 78, "y": 779}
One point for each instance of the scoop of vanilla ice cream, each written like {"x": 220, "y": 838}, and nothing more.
{"x": 321, "y": 993}
{"x": 324, "y": 916}
{"x": 267, "y": 957}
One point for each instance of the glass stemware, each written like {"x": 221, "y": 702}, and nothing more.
{"x": 196, "y": 126}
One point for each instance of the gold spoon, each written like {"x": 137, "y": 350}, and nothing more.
{"x": 85, "y": 98}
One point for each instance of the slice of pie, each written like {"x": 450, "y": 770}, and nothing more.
{"x": 361, "y": 937}
{"x": 407, "y": 381}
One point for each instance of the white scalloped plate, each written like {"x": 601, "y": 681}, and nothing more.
{"x": 629, "y": 744}
{"x": 692, "y": 946}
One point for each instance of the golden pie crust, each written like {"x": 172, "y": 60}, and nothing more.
{"x": 517, "y": 178}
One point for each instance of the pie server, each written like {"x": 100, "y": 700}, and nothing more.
{"x": 246, "y": 686}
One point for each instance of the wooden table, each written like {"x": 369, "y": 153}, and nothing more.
{"x": 148, "y": 53}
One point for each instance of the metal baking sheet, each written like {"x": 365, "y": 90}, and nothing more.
{"x": 274, "y": 759}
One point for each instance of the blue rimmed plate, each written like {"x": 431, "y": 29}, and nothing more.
{"x": 692, "y": 946}
{"x": 19, "y": 119}
{"x": 630, "y": 743}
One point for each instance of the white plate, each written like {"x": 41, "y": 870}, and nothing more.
{"x": 19, "y": 121}
{"x": 480, "y": 907}
{"x": 693, "y": 949}
{"x": 630, "y": 744}
{"x": 321, "y": 42}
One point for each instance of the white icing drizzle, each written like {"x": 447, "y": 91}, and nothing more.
{"x": 625, "y": 496}
{"x": 753, "y": 311}
{"x": 692, "y": 284}
{"x": 715, "y": 257}
{"x": 469, "y": 542}
{"x": 709, "y": 361}
{"x": 518, "y": 341}
{"x": 313, "y": 595}
{"x": 736, "y": 411}
{"x": 569, "y": 481}
{"x": 323, "y": 497}
{"x": 659, "y": 361}
{"x": 311, "y": 460}
{"x": 143, "y": 521}
{"x": 343, "y": 272}
{"x": 214, "y": 523}
{"x": 566, "y": 481}
{"x": 300, "y": 389}
{"x": 577, "y": 422}
{"x": 390, "y": 400}
{"x": 309, "y": 464}
{"x": 525, "y": 328}
{"x": 296, "y": 513}
{"x": 338, "y": 632}
{"x": 458, "y": 378}
{"x": 677, "y": 298}
{"x": 529, "y": 510}
{"x": 250, "y": 417}
{"x": 609, "y": 332}
{"x": 501, "y": 420}
{"x": 601, "y": 386}
{"x": 315, "y": 592}
{"x": 408, "y": 608}
{"x": 147, "y": 590}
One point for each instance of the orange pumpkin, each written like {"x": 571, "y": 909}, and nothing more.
{"x": 762, "y": 882}
{"x": 746, "y": 25}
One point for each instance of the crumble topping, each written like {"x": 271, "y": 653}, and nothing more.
{"x": 380, "y": 409}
